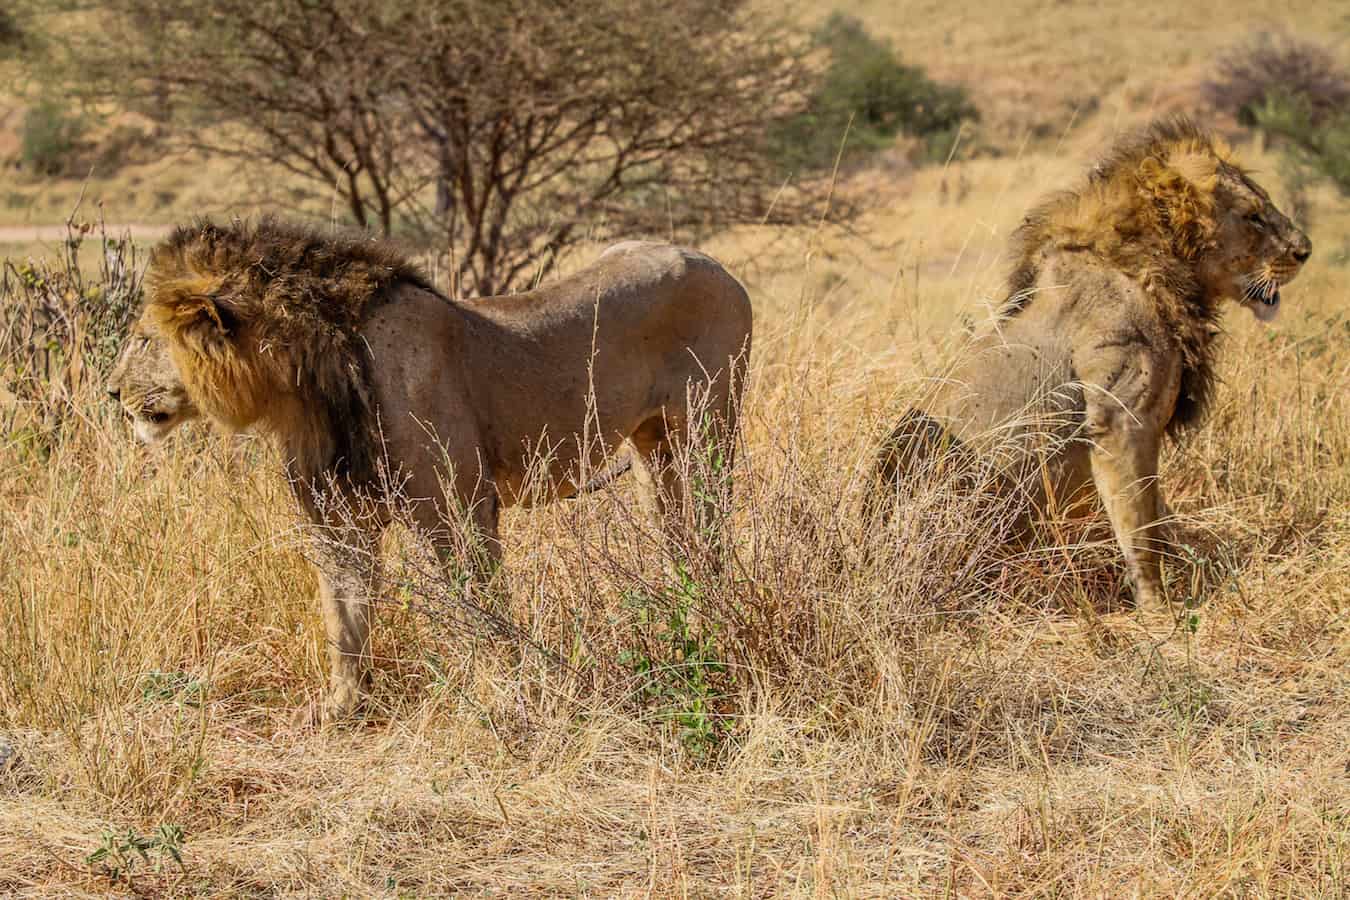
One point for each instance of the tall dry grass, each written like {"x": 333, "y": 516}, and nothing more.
{"x": 847, "y": 710}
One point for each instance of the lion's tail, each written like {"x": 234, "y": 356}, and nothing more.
{"x": 602, "y": 479}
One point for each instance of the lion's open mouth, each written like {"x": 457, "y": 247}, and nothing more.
{"x": 1262, "y": 297}
{"x": 1267, "y": 293}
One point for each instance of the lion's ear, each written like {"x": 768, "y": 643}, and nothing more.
{"x": 195, "y": 316}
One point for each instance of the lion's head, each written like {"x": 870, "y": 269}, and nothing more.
{"x": 147, "y": 385}
{"x": 1172, "y": 208}
{"x": 1255, "y": 248}
{"x": 259, "y": 324}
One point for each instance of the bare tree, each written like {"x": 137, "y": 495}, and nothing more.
{"x": 500, "y": 131}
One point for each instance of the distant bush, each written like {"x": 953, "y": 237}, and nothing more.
{"x": 1320, "y": 146}
{"x": 51, "y": 137}
{"x": 866, "y": 82}
{"x": 1272, "y": 64}
{"x": 11, "y": 34}
{"x": 122, "y": 145}
{"x": 1295, "y": 92}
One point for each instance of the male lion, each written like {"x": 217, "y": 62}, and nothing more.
{"x": 362, "y": 372}
{"x": 1105, "y": 340}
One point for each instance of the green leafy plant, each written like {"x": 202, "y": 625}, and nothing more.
{"x": 166, "y": 686}
{"x": 678, "y": 664}
{"x": 1188, "y": 697}
{"x": 118, "y": 852}
{"x": 1318, "y": 145}
{"x": 709, "y": 480}
{"x": 867, "y": 93}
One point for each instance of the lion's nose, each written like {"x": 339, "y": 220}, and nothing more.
{"x": 1302, "y": 249}
{"x": 114, "y": 392}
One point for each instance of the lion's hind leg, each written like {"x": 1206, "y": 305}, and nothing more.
{"x": 660, "y": 491}
{"x": 918, "y": 448}
{"x": 684, "y": 477}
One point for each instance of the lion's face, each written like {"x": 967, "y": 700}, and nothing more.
{"x": 1258, "y": 250}
{"x": 146, "y": 383}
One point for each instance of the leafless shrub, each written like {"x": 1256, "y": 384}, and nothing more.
{"x": 1278, "y": 64}
{"x": 61, "y": 325}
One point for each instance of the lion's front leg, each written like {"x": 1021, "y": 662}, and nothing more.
{"x": 349, "y": 582}
{"x": 1125, "y": 470}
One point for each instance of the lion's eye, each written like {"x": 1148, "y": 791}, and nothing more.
{"x": 1255, "y": 220}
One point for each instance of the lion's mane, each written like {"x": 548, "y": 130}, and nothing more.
{"x": 263, "y": 321}
{"x": 1139, "y": 216}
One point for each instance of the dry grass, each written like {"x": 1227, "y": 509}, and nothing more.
{"x": 896, "y": 714}
{"x": 928, "y": 720}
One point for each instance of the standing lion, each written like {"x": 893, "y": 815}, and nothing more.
{"x": 1105, "y": 341}
{"x": 363, "y": 373}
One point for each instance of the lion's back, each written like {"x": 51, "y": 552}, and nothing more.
{"x": 636, "y": 293}
{"x": 634, "y": 268}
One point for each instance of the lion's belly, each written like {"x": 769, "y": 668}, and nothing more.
{"x": 554, "y": 470}
{"x": 531, "y": 395}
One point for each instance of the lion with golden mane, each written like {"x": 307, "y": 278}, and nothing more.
{"x": 362, "y": 371}
{"x": 1105, "y": 341}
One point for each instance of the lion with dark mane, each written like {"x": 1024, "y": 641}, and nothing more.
{"x": 366, "y": 375}
{"x": 1105, "y": 340}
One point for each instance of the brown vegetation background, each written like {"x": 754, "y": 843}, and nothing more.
{"x": 856, "y": 714}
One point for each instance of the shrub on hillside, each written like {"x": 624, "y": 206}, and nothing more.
{"x": 51, "y": 137}
{"x": 1319, "y": 148}
{"x": 867, "y": 93}
{"x": 1276, "y": 64}
{"x": 11, "y": 33}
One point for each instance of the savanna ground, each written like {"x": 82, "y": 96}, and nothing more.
{"x": 845, "y": 712}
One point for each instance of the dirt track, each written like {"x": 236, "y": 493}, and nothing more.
{"x": 19, "y": 234}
